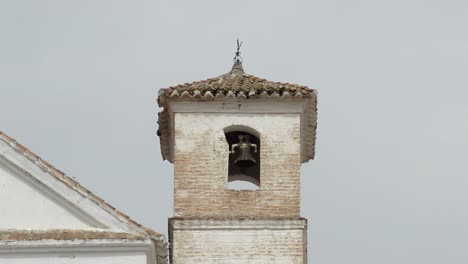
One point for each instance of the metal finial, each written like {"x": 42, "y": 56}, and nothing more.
{"x": 238, "y": 58}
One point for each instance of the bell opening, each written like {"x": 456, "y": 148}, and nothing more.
{"x": 244, "y": 160}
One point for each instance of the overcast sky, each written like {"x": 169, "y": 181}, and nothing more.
{"x": 79, "y": 81}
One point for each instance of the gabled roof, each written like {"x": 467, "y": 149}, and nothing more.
{"x": 135, "y": 229}
{"x": 237, "y": 85}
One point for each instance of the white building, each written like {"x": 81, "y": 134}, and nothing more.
{"x": 46, "y": 218}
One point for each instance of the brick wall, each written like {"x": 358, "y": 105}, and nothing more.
{"x": 238, "y": 241}
{"x": 201, "y": 165}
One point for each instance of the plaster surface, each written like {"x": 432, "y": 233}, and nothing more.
{"x": 239, "y": 241}
{"x": 75, "y": 258}
{"x": 201, "y": 166}
{"x": 25, "y": 206}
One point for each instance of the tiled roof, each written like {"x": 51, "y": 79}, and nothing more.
{"x": 77, "y": 187}
{"x": 236, "y": 84}
{"x": 63, "y": 234}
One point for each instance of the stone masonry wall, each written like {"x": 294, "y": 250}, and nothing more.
{"x": 201, "y": 166}
{"x": 235, "y": 242}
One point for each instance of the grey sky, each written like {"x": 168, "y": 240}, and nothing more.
{"x": 79, "y": 79}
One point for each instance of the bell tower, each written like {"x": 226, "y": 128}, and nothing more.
{"x": 237, "y": 143}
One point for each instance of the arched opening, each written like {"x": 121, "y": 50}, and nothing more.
{"x": 244, "y": 158}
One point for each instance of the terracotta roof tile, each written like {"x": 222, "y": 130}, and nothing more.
{"x": 235, "y": 81}
{"x": 21, "y": 148}
{"x": 122, "y": 214}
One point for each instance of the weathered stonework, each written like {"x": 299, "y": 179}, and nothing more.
{"x": 213, "y": 223}
{"x": 201, "y": 160}
{"x": 269, "y": 241}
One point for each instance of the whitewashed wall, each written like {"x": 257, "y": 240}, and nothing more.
{"x": 201, "y": 166}
{"x": 239, "y": 241}
{"x": 25, "y": 206}
{"x": 75, "y": 258}
{"x": 40, "y": 215}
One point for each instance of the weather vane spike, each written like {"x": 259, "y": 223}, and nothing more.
{"x": 238, "y": 58}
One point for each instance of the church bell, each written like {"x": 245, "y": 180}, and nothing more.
{"x": 244, "y": 158}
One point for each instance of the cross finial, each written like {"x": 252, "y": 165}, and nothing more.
{"x": 238, "y": 58}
